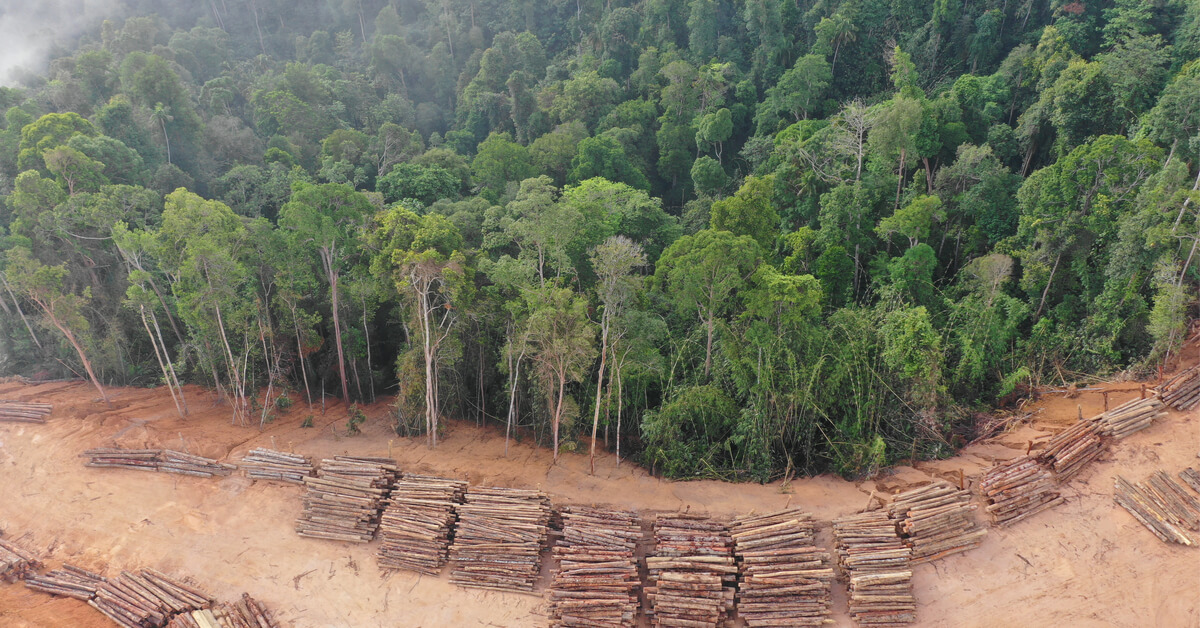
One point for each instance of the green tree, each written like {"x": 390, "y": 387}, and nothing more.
{"x": 749, "y": 212}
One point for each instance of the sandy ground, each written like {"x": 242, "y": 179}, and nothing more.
{"x": 1085, "y": 563}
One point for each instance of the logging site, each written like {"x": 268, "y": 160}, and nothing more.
{"x": 599, "y": 313}
{"x": 1080, "y": 509}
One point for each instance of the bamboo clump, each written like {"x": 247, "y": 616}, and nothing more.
{"x": 936, "y": 520}
{"x": 162, "y": 460}
{"x": 596, "y": 583}
{"x": 692, "y": 572}
{"x": 1072, "y": 449}
{"x": 146, "y": 600}
{"x": 1182, "y": 392}
{"x": 245, "y": 613}
{"x": 23, "y": 412}
{"x": 785, "y": 580}
{"x": 1157, "y": 507}
{"x": 278, "y": 466}
{"x": 1130, "y": 417}
{"x": 499, "y": 538}
{"x": 343, "y": 502}
{"x": 878, "y": 566}
{"x": 16, "y": 563}
{"x": 70, "y": 581}
{"x": 1018, "y": 489}
{"x": 417, "y": 523}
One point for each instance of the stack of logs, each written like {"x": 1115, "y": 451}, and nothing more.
{"x": 22, "y": 412}
{"x": 878, "y": 565}
{"x": 187, "y": 464}
{"x": 146, "y": 600}
{"x": 1191, "y": 477}
{"x": 417, "y": 523}
{"x": 1162, "y": 505}
{"x": 692, "y": 573}
{"x": 1073, "y": 448}
{"x": 1182, "y": 392}
{"x": 164, "y": 460}
{"x": 278, "y": 466}
{"x": 1129, "y": 417}
{"x": 1018, "y": 489}
{"x": 499, "y": 538}
{"x": 935, "y": 521}
{"x": 16, "y": 563}
{"x": 245, "y": 613}
{"x": 70, "y": 581}
{"x": 597, "y": 580}
{"x": 785, "y": 578}
{"x": 344, "y": 500}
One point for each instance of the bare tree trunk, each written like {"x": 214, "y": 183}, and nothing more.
{"x": 708, "y": 346}
{"x": 562, "y": 387}
{"x": 300, "y": 357}
{"x": 327, "y": 258}
{"x": 1049, "y": 282}
{"x": 170, "y": 366}
{"x": 620, "y": 404}
{"x": 367, "y": 339}
{"x": 238, "y": 397}
{"x": 159, "y": 357}
{"x": 66, "y": 331}
{"x": 21, "y": 312}
{"x": 512, "y": 394}
{"x": 599, "y": 389}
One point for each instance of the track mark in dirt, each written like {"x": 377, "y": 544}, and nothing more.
{"x": 297, "y": 579}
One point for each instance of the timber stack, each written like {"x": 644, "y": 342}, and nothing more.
{"x": 499, "y": 538}
{"x": 146, "y": 600}
{"x": 1182, "y": 392}
{"x": 1158, "y": 507}
{"x": 878, "y": 566}
{"x": 1072, "y": 449}
{"x": 692, "y": 572}
{"x": 164, "y": 460}
{"x": 16, "y": 563}
{"x": 114, "y": 458}
{"x": 22, "y": 412}
{"x": 277, "y": 466}
{"x": 343, "y": 502}
{"x": 245, "y": 613}
{"x": 785, "y": 580}
{"x": 936, "y": 520}
{"x": 1132, "y": 416}
{"x": 70, "y": 581}
{"x": 1018, "y": 489}
{"x": 417, "y": 523}
{"x": 1191, "y": 477}
{"x": 597, "y": 580}
{"x": 188, "y": 464}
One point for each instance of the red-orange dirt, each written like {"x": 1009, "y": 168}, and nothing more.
{"x": 1085, "y": 563}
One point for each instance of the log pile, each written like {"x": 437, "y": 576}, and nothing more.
{"x": 499, "y": 538}
{"x": 146, "y": 600}
{"x": 692, "y": 572}
{"x": 245, "y": 613}
{"x": 21, "y": 412}
{"x": 1018, "y": 489}
{"x": 1127, "y": 418}
{"x": 1191, "y": 477}
{"x": 1073, "y": 448}
{"x": 344, "y": 500}
{"x": 278, "y": 466}
{"x": 878, "y": 566}
{"x": 70, "y": 581}
{"x": 197, "y": 466}
{"x": 597, "y": 579}
{"x": 1158, "y": 507}
{"x": 16, "y": 563}
{"x": 1182, "y": 392}
{"x": 935, "y": 521}
{"x": 164, "y": 460}
{"x": 417, "y": 523}
{"x": 785, "y": 579}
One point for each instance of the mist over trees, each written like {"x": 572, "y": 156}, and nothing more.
{"x": 723, "y": 239}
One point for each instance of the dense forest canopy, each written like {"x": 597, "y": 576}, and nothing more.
{"x": 725, "y": 238}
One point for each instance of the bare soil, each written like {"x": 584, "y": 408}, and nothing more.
{"x": 1085, "y": 563}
